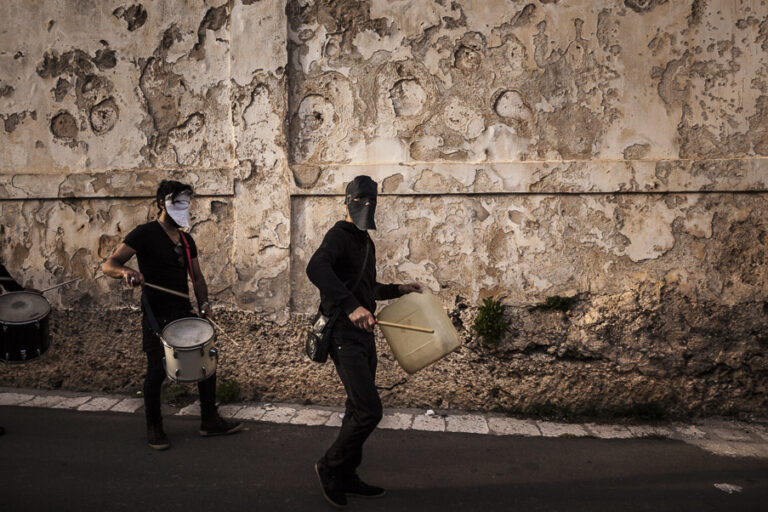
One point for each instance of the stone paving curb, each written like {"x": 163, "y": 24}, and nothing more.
{"x": 722, "y": 437}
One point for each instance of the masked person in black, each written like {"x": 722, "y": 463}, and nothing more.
{"x": 8, "y": 284}
{"x": 165, "y": 255}
{"x": 344, "y": 269}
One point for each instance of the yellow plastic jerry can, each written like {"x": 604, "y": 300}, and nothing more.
{"x": 415, "y": 350}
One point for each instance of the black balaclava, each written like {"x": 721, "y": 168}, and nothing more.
{"x": 365, "y": 188}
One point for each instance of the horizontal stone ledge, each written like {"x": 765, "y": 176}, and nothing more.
{"x": 567, "y": 177}
{"x": 112, "y": 184}
{"x": 306, "y": 195}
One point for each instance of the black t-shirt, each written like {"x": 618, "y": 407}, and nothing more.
{"x": 163, "y": 263}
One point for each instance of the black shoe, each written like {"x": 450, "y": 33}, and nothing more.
{"x": 156, "y": 437}
{"x": 331, "y": 485}
{"x": 218, "y": 426}
{"x": 2, "y": 431}
{"x": 356, "y": 487}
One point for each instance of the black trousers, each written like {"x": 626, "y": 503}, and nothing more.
{"x": 155, "y": 376}
{"x": 354, "y": 353}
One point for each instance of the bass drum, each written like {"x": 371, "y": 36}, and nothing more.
{"x": 24, "y": 326}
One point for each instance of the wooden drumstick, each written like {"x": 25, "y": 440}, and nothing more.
{"x": 60, "y": 284}
{"x": 6, "y": 278}
{"x": 166, "y": 290}
{"x": 223, "y": 332}
{"x": 404, "y": 326}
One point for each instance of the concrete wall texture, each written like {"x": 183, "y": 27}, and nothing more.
{"x": 612, "y": 150}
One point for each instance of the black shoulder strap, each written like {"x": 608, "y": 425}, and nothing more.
{"x": 365, "y": 263}
{"x": 189, "y": 256}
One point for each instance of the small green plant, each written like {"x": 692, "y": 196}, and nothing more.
{"x": 490, "y": 323}
{"x": 555, "y": 303}
{"x": 228, "y": 391}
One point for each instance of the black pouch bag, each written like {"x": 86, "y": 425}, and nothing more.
{"x": 316, "y": 342}
{"x": 318, "y": 334}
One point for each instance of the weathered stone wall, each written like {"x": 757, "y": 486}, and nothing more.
{"x": 610, "y": 150}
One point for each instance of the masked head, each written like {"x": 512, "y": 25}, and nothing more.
{"x": 175, "y": 197}
{"x": 361, "y": 201}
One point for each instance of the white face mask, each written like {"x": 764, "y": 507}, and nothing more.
{"x": 178, "y": 209}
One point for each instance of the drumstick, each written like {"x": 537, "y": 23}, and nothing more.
{"x": 6, "y": 278}
{"x": 60, "y": 284}
{"x": 403, "y": 326}
{"x": 166, "y": 290}
{"x": 223, "y": 332}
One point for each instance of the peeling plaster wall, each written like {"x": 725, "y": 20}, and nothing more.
{"x": 611, "y": 150}
{"x": 107, "y": 99}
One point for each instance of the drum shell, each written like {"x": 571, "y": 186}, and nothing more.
{"x": 22, "y": 342}
{"x": 190, "y": 364}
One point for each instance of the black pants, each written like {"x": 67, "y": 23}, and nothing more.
{"x": 354, "y": 353}
{"x": 155, "y": 376}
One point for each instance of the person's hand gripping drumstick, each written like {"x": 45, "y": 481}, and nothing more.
{"x": 133, "y": 277}
{"x": 364, "y": 319}
{"x": 206, "y": 311}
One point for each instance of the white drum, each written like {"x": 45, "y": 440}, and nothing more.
{"x": 190, "y": 354}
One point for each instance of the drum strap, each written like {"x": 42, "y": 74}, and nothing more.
{"x": 189, "y": 256}
{"x": 150, "y": 315}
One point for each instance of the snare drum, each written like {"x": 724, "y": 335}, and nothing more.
{"x": 190, "y": 354}
{"x": 24, "y": 326}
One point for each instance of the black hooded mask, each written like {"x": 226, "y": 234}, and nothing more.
{"x": 362, "y": 211}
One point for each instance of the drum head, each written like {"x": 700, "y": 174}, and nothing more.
{"x": 23, "y": 307}
{"x": 187, "y": 332}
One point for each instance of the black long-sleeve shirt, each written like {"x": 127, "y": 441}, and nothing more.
{"x": 11, "y": 286}
{"x": 335, "y": 266}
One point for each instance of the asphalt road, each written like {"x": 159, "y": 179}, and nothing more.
{"x": 62, "y": 460}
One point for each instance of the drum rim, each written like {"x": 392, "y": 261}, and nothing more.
{"x": 191, "y": 347}
{"x": 32, "y": 320}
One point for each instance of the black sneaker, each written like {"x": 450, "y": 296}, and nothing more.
{"x": 331, "y": 485}
{"x": 156, "y": 437}
{"x": 356, "y": 487}
{"x": 218, "y": 426}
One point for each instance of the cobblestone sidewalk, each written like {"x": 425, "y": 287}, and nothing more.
{"x": 723, "y": 437}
